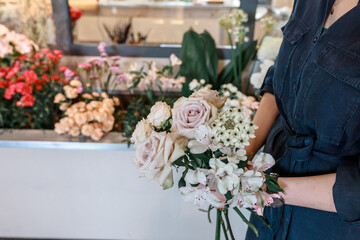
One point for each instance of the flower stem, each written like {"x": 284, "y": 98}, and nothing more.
{"x": 226, "y": 213}
{"x": 224, "y": 229}
{"x": 251, "y": 226}
{"x": 233, "y": 58}
{"x": 239, "y": 47}
{"x": 218, "y": 224}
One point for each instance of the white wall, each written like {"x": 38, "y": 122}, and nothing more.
{"x": 92, "y": 194}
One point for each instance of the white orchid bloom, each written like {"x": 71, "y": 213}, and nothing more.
{"x": 244, "y": 199}
{"x": 203, "y": 141}
{"x": 252, "y": 181}
{"x": 195, "y": 177}
{"x": 225, "y": 176}
{"x": 263, "y": 161}
{"x": 199, "y": 196}
{"x": 234, "y": 156}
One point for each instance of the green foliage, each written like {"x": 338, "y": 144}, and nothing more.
{"x": 272, "y": 184}
{"x": 42, "y": 115}
{"x": 200, "y": 61}
{"x": 193, "y": 57}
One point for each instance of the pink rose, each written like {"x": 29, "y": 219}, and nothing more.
{"x": 190, "y": 113}
{"x": 211, "y": 96}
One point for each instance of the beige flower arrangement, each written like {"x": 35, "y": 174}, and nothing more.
{"x": 87, "y": 114}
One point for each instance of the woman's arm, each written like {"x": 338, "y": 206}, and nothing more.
{"x": 311, "y": 192}
{"x": 264, "y": 119}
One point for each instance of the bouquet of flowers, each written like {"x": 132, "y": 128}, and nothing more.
{"x": 208, "y": 142}
{"x": 87, "y": 114}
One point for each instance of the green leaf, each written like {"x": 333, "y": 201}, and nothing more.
{"x": 227, "y": 74}
{"x": 247, "y": 221}
{"x": 272, "y": 184}
{"x": 211, "y": 56}
{"x": 182, "y": 182}
{"x": 192, "y": 55}
{"x": 262, "y": 219}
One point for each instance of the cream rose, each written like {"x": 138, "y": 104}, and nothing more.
{"x": 59, "y": 128}
{"x": 159, "y": 114}
{"x": 142, "y": 132}
{"x": 87, "y": 96}
{"x": 87, "y": 130}
{"x": 70, "y": 92}
{"x": 190, "y": 113}
{"x": 74, "y": 132}
{"x": 59, "y": 98}
{"x": 97, "y": 134}
{"x": 211, "y": 96}
{"x": 75, "y": 83}
{"x": 116, "y": 101}
{"x": 64, "y": 106}
{"x": 155, "y": 155}
{"x": 80, "y": 118}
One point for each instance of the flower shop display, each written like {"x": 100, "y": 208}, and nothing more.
{"x": 28, "y": 82}
{"x": 87, "y": 114}
{"x": 207, "y": 141}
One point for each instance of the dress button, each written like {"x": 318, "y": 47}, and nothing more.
{"x": 294, "y": 86}
{"x": 315, "y": 39}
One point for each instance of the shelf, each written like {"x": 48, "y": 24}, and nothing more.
{"x": 48, "y": 139}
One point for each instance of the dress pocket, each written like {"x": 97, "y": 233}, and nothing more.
{"x": 293, "y": 32}
{"x": 332, "y": 95}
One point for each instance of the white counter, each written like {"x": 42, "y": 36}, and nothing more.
{"x": 59, "y": 191}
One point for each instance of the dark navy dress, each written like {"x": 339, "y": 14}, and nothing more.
{"x": 316, "y": 83}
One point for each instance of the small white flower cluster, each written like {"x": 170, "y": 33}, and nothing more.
{"x": 231, "y": 91}
{"x": 232, "y": 129}
{"x": 234, "y": 22}
{"x": 268, "y": 23}
{"x": 196, "y": 85}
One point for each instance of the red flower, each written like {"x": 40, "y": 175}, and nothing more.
{"x": 75, "y": 14}
{"x": 30, "y": 76}
{"x": 14, "y": 70}
{"x": 39, "y": 87}
{"x": 38, "y": 56}
{"x": 58, "y": 53}
{"x": 2, "y": 84}
{"x": 9, "y": 92}
{"x": 45, "y": 50}
{"x": 55, "y": 78}
{"x": 22, "y": 88}
{"x": 26, "y": 101}
{"x": 46, "y": 78}
{"x": 22, "y": 57}
{"x": 63, "y": 68}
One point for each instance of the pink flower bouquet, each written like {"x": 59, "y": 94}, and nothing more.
{"x": 205, "y": 139}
